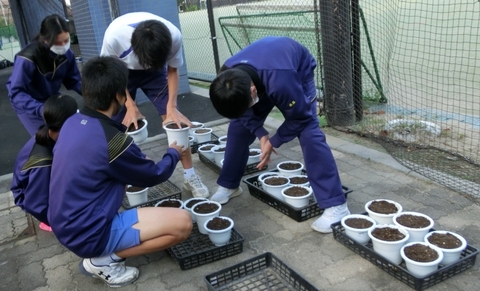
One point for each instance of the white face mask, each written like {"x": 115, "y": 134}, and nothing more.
{"x": 255, "y": 99}
{"x": 60, "y": 49}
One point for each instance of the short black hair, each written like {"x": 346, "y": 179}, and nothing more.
{"x": 152, "y": 42}
{"x": 102, "y": 79}
{"x": 230, "y": 93}
{"x": 52, "y": 26}
{"x": 56, "y": 110}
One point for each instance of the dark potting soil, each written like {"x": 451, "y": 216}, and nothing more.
{"x": 135, "y": 189}
{"x": 223, "y": 139}
{"x": 175, "y": 126}
{"x": 296, "y": 191}
{"x": 298, "y": 180}
{"x": 218, "y": 223}
{"x": 253, "y": 153}
{"x": 193, "y": 202}
{"x": 413, "y": 221}
{"x": 169, "y": 203}
{"x": 132, "y": 126}
{"x": 444, "y": 241}
{"x": 196, "y": 125}
{"x": 206, "y": 208}
{"x": 388, "y": 234}
{"x": 359, "y": 223}
{"x": 421, "y": 253}
{"x": 207, "y": 148}
{"x": 219, "y": 150}
{"x": 383, "y": 207}
{"x": 275, "y": 181}
{"x": 290, "y": 166}
{"x": 201, "y": 130}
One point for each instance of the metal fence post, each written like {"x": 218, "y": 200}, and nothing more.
{"x": 213, "y": 35}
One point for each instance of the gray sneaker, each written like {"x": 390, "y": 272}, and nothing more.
{"x": 196, "y": 187}
{"x": 115, "y": 274}
{"x": 330, "y": 216}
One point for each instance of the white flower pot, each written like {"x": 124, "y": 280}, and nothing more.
{"x": 218, "y": 156}
{"x": 207, "y": 153}
{"x": 421, "y": 269}
{"x": 307, "y": 184}
{"x": 137, "y": 197}
{"x": 196, "y": 125}
{"x": 275, "y": 190}
{"x": 201, "y": 137}
{"x": 390, "y": 250}
{"x": 416, "y": 234}
{"x": 263, "y": 176}
{"x": 203, "y": 217}
{"x": 164, "y": 201}
{"x": 449, "y": 255}
{"x": 222, "y": 139}
{"x": 289, "y": 173}
{"x": 179, "y": 134}
{"x": 254, "y": 159}
{"x": 297, "y": 201}
{"x": 189, "y": 209}
{"x": 141, "y": 134}
{"x": 222, "y": 236}
{"x": 382, "y": 218}
{"x": 360, "y": 235}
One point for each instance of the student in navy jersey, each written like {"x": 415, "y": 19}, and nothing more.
{"x": 151, "y": 47}
{"x": 94, "y": 161}
{"x": 31, "y": 174}
{"x": 39, "y": 71}
{"x": 275, "y": 72}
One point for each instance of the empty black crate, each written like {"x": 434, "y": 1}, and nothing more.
{"x": 198, "y": 250}
{"x": 298, "y": 214}
{"x": 194, "y": 147}
{"x": 165, "y": 190}
{"x": 400, "y": 272}
{"x": 249, "y": 169}
{"x": 264, "y": 272}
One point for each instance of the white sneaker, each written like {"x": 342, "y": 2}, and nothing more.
{"x": 223, "y": 194}
{"x": 330, "y": 216}
{"x": 196, "y": 187}
{"x": 115, "y": 274}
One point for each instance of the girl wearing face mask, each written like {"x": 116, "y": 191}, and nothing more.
{"x": 39, "y": 71}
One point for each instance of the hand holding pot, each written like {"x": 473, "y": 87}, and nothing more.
{"x": 179, "y": 148}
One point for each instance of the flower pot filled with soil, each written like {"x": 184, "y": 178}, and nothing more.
{"x": 357, "y": 226}
{"x": 417, "y": 224}
{"x": 299, "y": 180}
{"x": 137, "y": 195}
{"x": 191, "y": 140}
{"x": 174, "y": 133}
{"x": 263, "y": 176}
{"x": 204, "y": 211}
{"x": 387, "y": 241}
{"x": 188, "y": 205}
{"x": 297, "y": 196}
{"x": 253, "y": 156}
{"x": 451, "y": 244}
{"x": 195, "y": 125}
{"x": 383, "y": 210}
{"x": 421, "y": 258}
{"x": 175, "y": 203}
{"x": 203, "y": 134}
{"x": 206, "y": 151}
{"x": 290, "y": 168}
{"x": 219, "y": 153}
{"x": 222, "y": 139}
{"x": 219, "y": 230}
{"x": 139, "y": 135}
{"x": 274, "y": 186}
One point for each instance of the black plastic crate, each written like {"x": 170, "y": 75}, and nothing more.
{"x": 194, "y": 147}
{"x": 400, "y": 272}
{"x": 298, "y": 214}
{"x": 198, "y": 250}
{"x": 165, "y": 190}
{"x": 264, "y": 272}
{"x": 249, "y": 169}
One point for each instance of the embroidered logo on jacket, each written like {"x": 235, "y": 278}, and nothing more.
{"x": 291, "y": 104}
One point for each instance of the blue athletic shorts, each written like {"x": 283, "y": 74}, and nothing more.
{"x": 122, "y": 234}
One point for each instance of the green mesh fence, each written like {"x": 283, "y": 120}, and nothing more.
{"x": 403, "y": 73}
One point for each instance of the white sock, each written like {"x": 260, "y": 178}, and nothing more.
{"x": 102, "y": 261}
{"x": 115, "y": 257}
{"x": 188, "y": 173}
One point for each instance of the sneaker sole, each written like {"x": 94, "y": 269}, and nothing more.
{"x": 234, "y": 194}
{"x": 185, "y": 188}
{"x": 87, "y": 273}
{"x": 323, "y": 230}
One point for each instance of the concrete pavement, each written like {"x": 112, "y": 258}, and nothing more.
{"x": 36, "y": 261}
